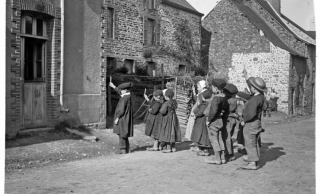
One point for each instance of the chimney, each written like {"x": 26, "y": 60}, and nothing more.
{"x": 276, "y": 4}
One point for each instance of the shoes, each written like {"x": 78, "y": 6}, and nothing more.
{"x": 121, "y": 151}
{"x": 195, "y": 149}
{"x": 223, "y": 161}
{"x": 245, "y": 158}
{"x": 152, "y": 149}
{"x": 249, "y": 167}
{"x": 231, "y": 158}
{"x": 213, "y": 162}
{"x": 166, "y": 151}
{"x": 203, "y": 153}
{"x": 242, "y": 151}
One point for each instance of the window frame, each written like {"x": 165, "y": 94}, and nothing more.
{"x": 113, "y": 21}
{"x": 43, "y": 41}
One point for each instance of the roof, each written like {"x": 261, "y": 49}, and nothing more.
{"x": 297, "y": 28}
{"x": 268, "y": 7}
{"x": 183, "y": 5}
{"x": 270, "y": 32}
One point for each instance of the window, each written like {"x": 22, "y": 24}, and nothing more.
{"x": 151, "y": 31}
{"x": 33, "y": 47}
{"x": 182, "y": 68}
{"x": 111, "y": 63}
{"x": 151, "y": 69}
{"x": 110, "y": 22}
{"x": 129, "y": 65}
{"x": 151, "y": 4}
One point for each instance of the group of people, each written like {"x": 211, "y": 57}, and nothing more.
{"x": 211, "y": 123}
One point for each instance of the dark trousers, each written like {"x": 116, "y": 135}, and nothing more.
{"x": 228, "y": 133}
{"x": 251, "y": 133}
{"x": 240, "y": 138}
{"x": 215, "y": 130}
{"x": 123, "y": 142}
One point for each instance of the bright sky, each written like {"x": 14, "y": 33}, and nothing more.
{"x": 299, "y": 11}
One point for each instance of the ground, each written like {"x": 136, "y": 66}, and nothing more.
{"x": 287, "y": 165}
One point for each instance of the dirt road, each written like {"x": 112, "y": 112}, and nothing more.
{"x": 287, "y": 166}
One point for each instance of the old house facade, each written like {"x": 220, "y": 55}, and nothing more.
{"x": 58, "y": 52}
{"x": 253, "y": 35}
{"x": 33, "y": 35}
{"x": 130, "y": 27}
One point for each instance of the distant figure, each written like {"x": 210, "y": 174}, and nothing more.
{"x": 273, "y": 100}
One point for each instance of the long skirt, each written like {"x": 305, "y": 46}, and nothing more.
{"x": 190, "y": 123}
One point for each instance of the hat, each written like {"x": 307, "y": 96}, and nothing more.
{"x": 219, "y": 83}
{"x": 230, "y": 90}
{"x": 157, "y": 93}
{"x": 243, "y": 95}
{"x": 202, "y": 83}
{"x": 206, "y": 94}
{"x": 126, "y": 85}
{"x": 169, "y": 93}
{"x": 259, "y": 84}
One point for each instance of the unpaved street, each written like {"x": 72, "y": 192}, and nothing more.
{"x": 287, "y": 166}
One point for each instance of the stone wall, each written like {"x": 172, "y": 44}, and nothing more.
{"x": 232, "y": 33}
{"x": 128, "y": 41}
{"x": 272, "y": 67}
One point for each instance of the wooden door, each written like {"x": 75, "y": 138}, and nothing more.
{"x": 34, "y": 105}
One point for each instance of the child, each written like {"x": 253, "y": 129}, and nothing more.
{"x": 123, "y": 117}
{"x": 200, "y": 132}
{"x": 230, "y": 91}
{"x": 201, "y": 87}
{"x": 252, "y": 120}
{"x": 153, "y": 122}
{"x": 217, "y": 120}
{"x": 170, "y": 130}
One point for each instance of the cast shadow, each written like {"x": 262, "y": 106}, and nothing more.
{"x": 267, "y": 153}
{"x": 185, "y": 145}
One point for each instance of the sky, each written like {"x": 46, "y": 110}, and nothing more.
{"x": 299, "y": 11}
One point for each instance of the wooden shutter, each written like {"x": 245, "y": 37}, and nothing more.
{"x": 158, "y": 32}
{"x": 145, "y": 30}
{"x": 150, "y": 4}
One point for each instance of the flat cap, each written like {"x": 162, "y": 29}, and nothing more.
{"x": 230, "y": 90}
{"x": 219, "y": 83}
{"x": 126, "y": 85}
{"x": 169, "y": 93}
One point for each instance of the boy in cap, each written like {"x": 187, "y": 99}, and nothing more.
{"x": 123, "y": 117}
{"x": 230, "y": 91}
{"x": 216, "y": 119}
{"x": 153, "y": 121}
{"x": 252, "y": 120}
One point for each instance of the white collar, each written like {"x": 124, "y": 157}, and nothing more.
{"x": 204, "y": 89}
{"x": 256, "y": 94}
{"x": 128, "y": 93}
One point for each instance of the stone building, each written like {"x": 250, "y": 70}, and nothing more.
{"x": 33, "y": 37}
{"x": 131, "y": 27}
{"x": 255, "y": 36}
{"x": 58, "y": 52}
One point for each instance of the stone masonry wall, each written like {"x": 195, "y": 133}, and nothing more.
{"x": 128, "y": 41}
{"x": 232, "y": 33}
{"x": 272, "y": 67}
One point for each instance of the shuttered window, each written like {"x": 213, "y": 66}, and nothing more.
{"x": 151, "y": 31}
{"x": 110, "y": 22}
{"x": 151, "y": 4}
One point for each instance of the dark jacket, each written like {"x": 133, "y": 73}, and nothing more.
{"x": 123, "y": 111}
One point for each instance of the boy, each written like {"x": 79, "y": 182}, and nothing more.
{"x": 230, "y": 91}
{"x": 252, "y": 120}
{"x": 216, "y": 120}
{"x": 123, "y": 117}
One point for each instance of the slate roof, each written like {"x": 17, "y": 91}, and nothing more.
{"x": 183, "y": 5}
{"x": 268, "y": 30}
